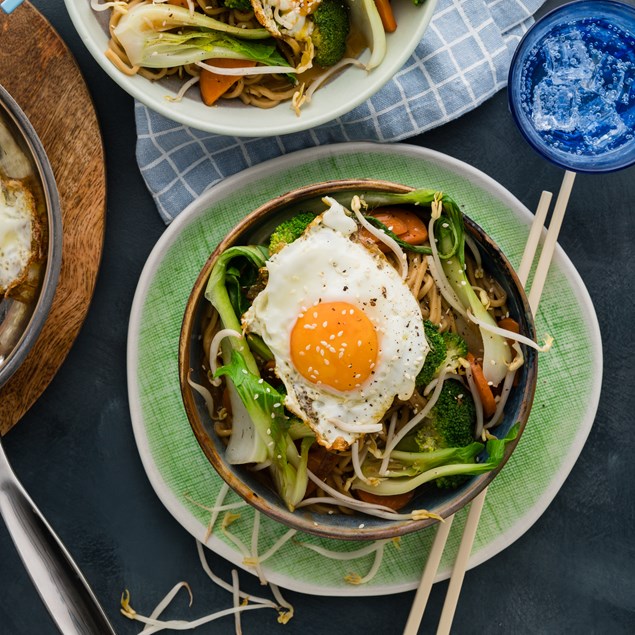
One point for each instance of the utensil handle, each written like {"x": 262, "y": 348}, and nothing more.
{"x": 61, "y": 585}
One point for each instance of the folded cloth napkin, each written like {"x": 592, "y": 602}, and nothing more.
{"x": 462, "y": 61}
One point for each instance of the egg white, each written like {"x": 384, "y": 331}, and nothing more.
{"x": 326, "y": 264}
{"x": 17, "y": 217}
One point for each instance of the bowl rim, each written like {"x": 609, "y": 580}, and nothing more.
{"x": 279, "y": 513}
{"x": 15, "y": 114}
{"x": 248, "y": 125}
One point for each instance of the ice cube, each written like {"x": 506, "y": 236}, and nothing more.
{"x": 605, "y": 131}
{"x": 598, "y": 121}
{"x": 608, "y": 77}
{"x": 554, "y": 106}
{"x": 567, "y": 58}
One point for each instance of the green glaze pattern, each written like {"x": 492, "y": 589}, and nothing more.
{"x": 564, "y": 407}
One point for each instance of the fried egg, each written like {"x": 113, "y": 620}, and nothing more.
{"x": 345, "y": 330}
{"x": 19, "y": 232}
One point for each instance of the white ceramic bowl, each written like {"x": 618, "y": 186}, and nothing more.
{"x": 349, "y": 89}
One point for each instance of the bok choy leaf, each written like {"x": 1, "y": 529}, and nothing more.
{"x": 143, "y": 27}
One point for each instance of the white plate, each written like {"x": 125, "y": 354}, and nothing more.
{"x": 339, "y": 96}
{"x": 564, "y": 407}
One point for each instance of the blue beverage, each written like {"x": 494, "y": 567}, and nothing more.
{"x": 572, "y": 86}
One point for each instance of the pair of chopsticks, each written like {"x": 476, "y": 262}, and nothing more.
{"x": 476, "y": 507}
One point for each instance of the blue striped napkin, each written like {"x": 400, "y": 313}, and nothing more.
{"x": 462, "y": 61}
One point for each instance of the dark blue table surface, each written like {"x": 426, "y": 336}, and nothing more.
{"x": 572, "y": 572}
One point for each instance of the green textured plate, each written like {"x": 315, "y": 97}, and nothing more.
{"x": 566, "y": 398}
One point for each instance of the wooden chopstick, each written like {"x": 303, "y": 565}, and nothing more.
{"x": 474, "y": 515}
{"x": 476, "y": 507}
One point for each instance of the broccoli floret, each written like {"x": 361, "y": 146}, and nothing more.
{"x": 435, "y": 356}
{"x": 331, "y": 28}
{"x": 240, "y": 5}
{"x": 445, "y": 351}
{"x": 450, "y": 424}
{"x": 455, "y": 348}
{"x": 289, "y": 230}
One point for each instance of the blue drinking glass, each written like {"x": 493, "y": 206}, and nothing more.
{"x": 572, "y": 86}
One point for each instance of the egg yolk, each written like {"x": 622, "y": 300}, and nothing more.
{"x": 334, "y": 344}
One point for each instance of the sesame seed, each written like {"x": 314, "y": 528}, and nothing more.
{"x": 325, "y": 324}
{"x": 340, "y": 333}
{"x": 359, "y": 342}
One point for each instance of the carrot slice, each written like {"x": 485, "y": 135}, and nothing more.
{"x": 213, "y": 85}
{"x": 484, "y": 390}
{"x": 384, "y": 8}
{"x": 404, "y": 224}
{"x": 395, "y": 502}
{"x": 509, "y": 324}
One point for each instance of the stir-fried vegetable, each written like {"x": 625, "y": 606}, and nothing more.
{"x": 147, "y": 34}
{"x": 263, "y": 434}
{"x": 456, "y": 462}
{"x": 497, "y": 353}
{"x": 439, "y": 440}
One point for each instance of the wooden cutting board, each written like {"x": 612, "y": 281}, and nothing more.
{"x": 40, "y": 73}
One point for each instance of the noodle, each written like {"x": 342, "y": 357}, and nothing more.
{"x": 402, "y": 416}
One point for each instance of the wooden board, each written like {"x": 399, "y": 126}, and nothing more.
{"x": 62, "y": 113}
